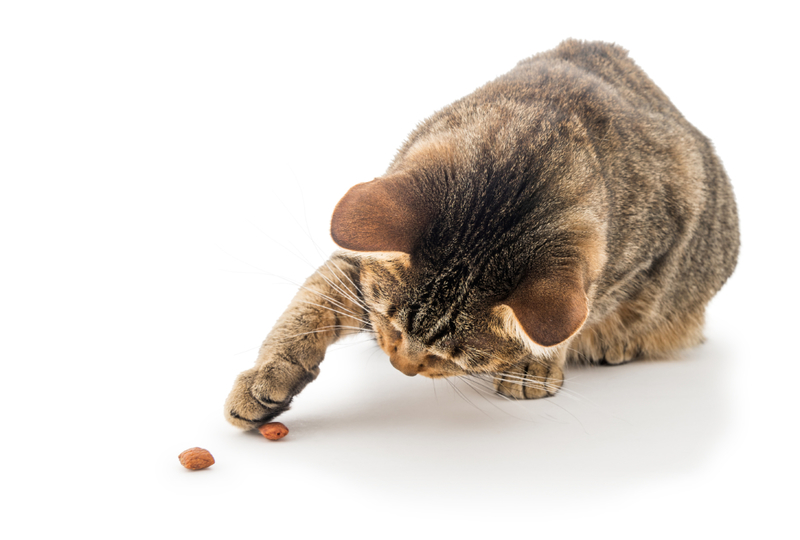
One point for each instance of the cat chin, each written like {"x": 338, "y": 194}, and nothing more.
{"x": 435, "y": 374}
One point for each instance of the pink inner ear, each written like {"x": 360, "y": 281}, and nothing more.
{"x": 550, "y": 310}
{"x": 387, "y": 214}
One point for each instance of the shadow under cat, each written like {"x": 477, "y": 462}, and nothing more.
{"x": 615, "y": 427}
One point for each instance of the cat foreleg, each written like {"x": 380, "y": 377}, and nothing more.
{"x": 327, "y": 307}
{"x": 532, "y": 378}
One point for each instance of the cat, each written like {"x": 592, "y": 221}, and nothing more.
{"x": 565, "y": 211}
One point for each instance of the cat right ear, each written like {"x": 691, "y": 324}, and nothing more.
{"x": 551, "y": 309}
{"x": 386, "y": 214}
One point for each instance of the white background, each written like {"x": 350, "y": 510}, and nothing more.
{"x": 168, "y": 170}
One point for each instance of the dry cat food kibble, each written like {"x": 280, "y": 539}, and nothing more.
{"x": 274, "y": 431}
{"x": 196, "y": 458}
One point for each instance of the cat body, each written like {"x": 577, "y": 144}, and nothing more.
{"x": 564, "y": 211}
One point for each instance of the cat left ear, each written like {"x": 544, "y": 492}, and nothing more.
{"x": 387, "y": 214}
{"x": 550, "y": 310}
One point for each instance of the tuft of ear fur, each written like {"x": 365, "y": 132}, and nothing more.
{"x": 386, "y": 214}
{"x": 551, "y": 309}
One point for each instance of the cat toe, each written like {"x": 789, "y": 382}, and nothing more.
{"x": 533, "y": 381}
{"x": 247, "y": 407}
{"x": 617, "y": 355}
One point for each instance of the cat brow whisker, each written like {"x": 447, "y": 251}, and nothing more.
{"x": 358, "y": 289}
{"x": 290, "y": 282}
{"x": 345, "y": 342}
{"x": 346, "y": 293}
{"x": 312, "y": 291}
{"x": 322, "y": 295}
{"x": 322, "y": 329}
{"x": 298, "y": 254}
{"x": 346, "y": 313}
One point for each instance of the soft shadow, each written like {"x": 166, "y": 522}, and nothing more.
{"x": 609, "y": 427}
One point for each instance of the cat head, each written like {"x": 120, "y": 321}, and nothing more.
{"x": 465, "y": 273}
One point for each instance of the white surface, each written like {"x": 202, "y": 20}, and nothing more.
{"x": 163, "y": 162}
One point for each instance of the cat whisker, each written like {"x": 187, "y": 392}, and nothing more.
{"x": 536, "y": 383}
{"x": 551, "y": 402}
{"x": 531, "y": 382}
{"x": 346, "y": 293}
{"x": 509, "y": 375}
{"x": 460, "y": 393}
{"x": 294, "y": 283}
{"x": 346, "y": 313}
{"x": 346, "y": 342}
{"x": 357, "y": 288}
{"x": 297, "y": 255}
{"x": 477, "y": 387}
{"x": 323, "y": 329}
{"x": 325, "y": 297}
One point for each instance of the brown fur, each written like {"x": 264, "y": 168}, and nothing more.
{"x": 564, "y": 211}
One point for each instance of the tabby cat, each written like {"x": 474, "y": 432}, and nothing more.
{"x": 565, "y": 211}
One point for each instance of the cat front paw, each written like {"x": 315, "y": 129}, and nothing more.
{"x": 533, "y": 380}
{"x": 262, "y": 393}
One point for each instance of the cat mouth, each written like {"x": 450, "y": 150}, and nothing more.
{"x": 426, "y": 371}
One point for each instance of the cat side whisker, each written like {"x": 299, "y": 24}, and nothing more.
{"x": 550, "y": 401}
{"x": 482, "y": 389}
{"x": 536, "y": 383}
{"x": 463, "y": 396}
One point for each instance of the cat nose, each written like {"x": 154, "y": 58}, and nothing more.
{"x": 407, "y": 366}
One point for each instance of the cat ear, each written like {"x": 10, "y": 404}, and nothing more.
{"x": 386, "y": 214}
{"x": 550, "y": 310}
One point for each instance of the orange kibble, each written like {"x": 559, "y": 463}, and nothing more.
{"x": 196, "y": 458}
{"x": 274, "y": 431}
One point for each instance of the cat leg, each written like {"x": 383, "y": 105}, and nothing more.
{"x": 616, "y": 341}
{"x": 327, "y": 307}
{"x": 619, "y": 353}
{"x": 533, "y": 378}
